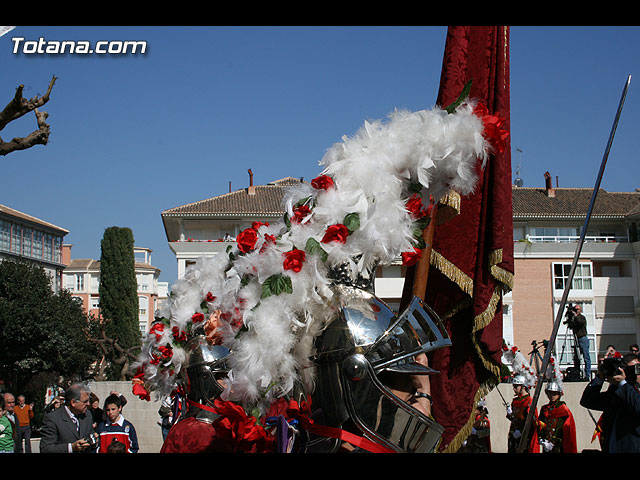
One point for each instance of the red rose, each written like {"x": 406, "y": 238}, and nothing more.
{"x": 139, "y": 390}
{"x": 197, "y": 317}
{"x": 299, "y": 213}
{"x": 267, "y": 240}
{"x": 294, "y": 259}
{"x": 257, "y": 225}
{"x": 323, "y": 182}
{"x": 493, "y": 131}
{"x": 336, "y": 233}
{"x": 243, "y": 432}
{"x": 414, "y": 205}
{"x": 166, "y": 351}
{"x": 179, "y": 335}
{"x": 210, "y": 298}
{"x": 157, "y": 329}
{"x": 247, "y": 240}
{"x": 411, "y": 258}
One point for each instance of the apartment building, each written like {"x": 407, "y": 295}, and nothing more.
{"x": 25, "y": 237}
{"x": 209, "y": 226}
{"x": 82, "y": 278}
{"x": 547, "y": 224}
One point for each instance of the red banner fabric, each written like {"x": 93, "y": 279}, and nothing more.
{"x": 472, "y": 257}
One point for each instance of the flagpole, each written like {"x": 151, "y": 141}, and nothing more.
{"x": 567, "y": 287}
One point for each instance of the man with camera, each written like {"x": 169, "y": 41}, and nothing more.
{"x": 620, "y": 404}
{"x": 577, "y": 322}
{"x": 69, "y": 429}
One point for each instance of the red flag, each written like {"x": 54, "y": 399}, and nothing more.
{"x": 471, "y": 263}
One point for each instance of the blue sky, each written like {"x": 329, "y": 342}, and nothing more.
{"x": 134, "y": 135}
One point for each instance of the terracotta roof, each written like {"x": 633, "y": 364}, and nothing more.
{"x": 90, "y": 264}
{"x": 267, "y": 200}
{"x": 572, "y": 203}
{"x": 23, "y": 216}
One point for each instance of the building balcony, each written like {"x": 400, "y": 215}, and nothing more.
{"x": 575, "y": 238}
{"x": 567, "y": 249}
{"x": 199, "y": 247}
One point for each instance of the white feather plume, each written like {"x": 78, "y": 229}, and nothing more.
{"x": 271, "y": 336}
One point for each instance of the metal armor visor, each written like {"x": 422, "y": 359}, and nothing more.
{"x": 390, "y": 342}
{"x": 385, "y": 418}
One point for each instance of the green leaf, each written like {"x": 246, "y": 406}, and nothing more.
{"x": 276, "y": 284}
{"x": 415, "y": 188}
{"x": 313, "y": 247}
{"x": 463, "y": 96}
{"x": 287, "y": 221}
{"x": 352, "y": 222}
{"x": 303, "y": 201}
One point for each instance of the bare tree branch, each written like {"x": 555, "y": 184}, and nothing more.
{"x": 20, "y": 106}
{"x": 107, "y": 345}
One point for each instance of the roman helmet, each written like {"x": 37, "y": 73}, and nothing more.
{"x": 206, "y": 369}
{"x": 363, "y": 351}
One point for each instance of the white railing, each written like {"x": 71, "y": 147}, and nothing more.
{"x": 575, "y": 238}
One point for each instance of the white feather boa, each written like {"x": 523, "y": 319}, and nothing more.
{"x": 272, "y": 311}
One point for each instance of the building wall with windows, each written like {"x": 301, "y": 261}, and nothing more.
{"x": 82, "y": 279}
{"x": 24, "y": 237}
{"x": 547, "y": 227}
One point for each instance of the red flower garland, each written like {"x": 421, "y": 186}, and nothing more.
{"x": 243, "y": 432}
{"x": 299, "y": 213}
{"x": 323, "y": 182}
{"x": 247, "y": 240}
{"x": 411, "y": 258}
{"x": 294, "y": 259}
{"x": 336, "y": 233}
{"x": 493, "y": 131}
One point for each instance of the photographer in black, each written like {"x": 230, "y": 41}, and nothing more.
{"x": 620, "y": 404}
{"x": 577, "y": 322}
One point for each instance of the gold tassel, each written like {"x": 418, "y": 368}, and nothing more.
{"x": 452, "y": 272}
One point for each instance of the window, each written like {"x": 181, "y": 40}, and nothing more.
{"x": 95, "y": 303}
{"x": 79, "y": 282}
{"x": 70, "y": 282}
{"x": 37, "y": 244}
{"x": 143, "y": 306}
{"x": 5, "y": 235}
{"x": 582, "y": 277}
{"x": 507, "y": 323}
{"x": 143, "y": 282}
{"x": 16, "y": 239}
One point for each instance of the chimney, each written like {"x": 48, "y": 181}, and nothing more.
{"x": 229, "y": 187}
{"x": 251, "y": 190}
{"x": 551, "y": 193}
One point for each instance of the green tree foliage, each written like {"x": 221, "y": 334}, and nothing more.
{"x": 42, "y": 331}
{"x": 118, "y": 287}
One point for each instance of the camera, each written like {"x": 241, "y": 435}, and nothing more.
{"x": 569, "y": 314}
{"x": 610, "y": 366}
{"x": 92, "y": 439}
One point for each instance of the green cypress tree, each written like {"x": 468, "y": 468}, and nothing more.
{"x": 118, "y": 288}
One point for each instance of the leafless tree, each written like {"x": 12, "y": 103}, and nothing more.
{"x": 18, "y": 107}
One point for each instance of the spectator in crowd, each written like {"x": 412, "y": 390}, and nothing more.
{"x": 96, "y": 412}
{"x": 24, "y": 416}
{"x": 69, "y": 429}
{"x": 620, "y": 404}
{"x": 9, "y": 407}
{"x": 115, "y": 427}
{"x": 7, "y": 435}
